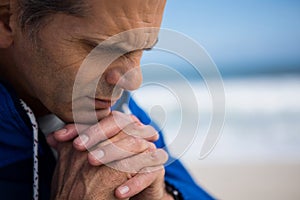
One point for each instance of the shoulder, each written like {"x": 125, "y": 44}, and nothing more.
{"x": 6, "y": 100}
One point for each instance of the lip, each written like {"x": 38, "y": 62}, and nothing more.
{"x": 102, "y": 103}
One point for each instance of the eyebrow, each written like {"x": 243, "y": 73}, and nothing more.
{"x": 94, "y": 43}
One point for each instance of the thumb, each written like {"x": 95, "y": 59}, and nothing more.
{"x": 52, "y": 142}
{"x": 69, "y": 132}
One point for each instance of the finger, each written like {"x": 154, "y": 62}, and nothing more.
{"x": 52, "y": 142}
{"x": 134, "y": 130}
{"x": 118, "y": 150}
{"x": 137, "y": 162}
{"x": 123, "y": 145}
{"x": 106, "y": 128}
{"x": 143, "y": 131}
{"x": 120, "y": 136}
{"x": 96, "y": 161}
{"x": 141, "y": 181}
{"x": 69, "y": 132}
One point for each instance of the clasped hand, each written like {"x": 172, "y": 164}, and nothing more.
{"x": 113, "y": 159}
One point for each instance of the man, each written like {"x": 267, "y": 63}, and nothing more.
{"x": 43, "y": 45}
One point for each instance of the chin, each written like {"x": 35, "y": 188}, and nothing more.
{"x": 85, "y": 117}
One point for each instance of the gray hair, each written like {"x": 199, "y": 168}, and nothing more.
{"x": 34, "y": 12}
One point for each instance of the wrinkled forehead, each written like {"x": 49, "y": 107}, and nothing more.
{"x": 123, "y": 15}
{"x": 131, "y": 40}
{"x": 128, "y": 24}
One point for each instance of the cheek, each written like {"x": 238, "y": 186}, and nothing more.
{"x": 45, "y": 78}
{"x": 56, "y": 87}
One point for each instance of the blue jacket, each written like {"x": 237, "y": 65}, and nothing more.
{"x": 16, "y": 154}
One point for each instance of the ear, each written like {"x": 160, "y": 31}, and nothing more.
{"x": 6, "y": 34}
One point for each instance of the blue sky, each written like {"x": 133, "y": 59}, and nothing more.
{"x": 241, "y": 34}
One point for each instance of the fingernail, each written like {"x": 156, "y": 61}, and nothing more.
{"x": 123, "y": 190}
{"x": 61, "y": 132}
{"x": 98, "y": 154}
{"x": 82, "y": 140}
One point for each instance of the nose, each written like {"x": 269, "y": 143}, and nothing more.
{"x": 124, "y": 76}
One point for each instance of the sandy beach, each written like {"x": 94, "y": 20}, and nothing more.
{"x": 261, "y": 181}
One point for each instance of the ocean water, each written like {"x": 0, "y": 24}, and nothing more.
{"x": 262, "y": 121}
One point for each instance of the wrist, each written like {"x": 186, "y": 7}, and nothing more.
{"x": 172, "y": 192}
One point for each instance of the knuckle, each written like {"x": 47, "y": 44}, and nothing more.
{"x": 124, "y": 165}
{"x": 140, "y": 144}
{"x": 138, "y": 183}
{"x": 159, "y": 156}
{"x": 152, "y": 130}
{"x": 155, "y": 159}
{"x": 116, "y": 114}
{"x": 131, "y": 140}
{"x": 95, "y": 128}
{"x": 151, "y": 146}
{"x": 135, "y": 128}
{"x": 134, "y": 145}
{"x": 134, "y": 118}
{"x": 118, "y": 117}
{"x": 151, "y": 133}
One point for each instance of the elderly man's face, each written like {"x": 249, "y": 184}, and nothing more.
{"x": 47, "y": 71}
